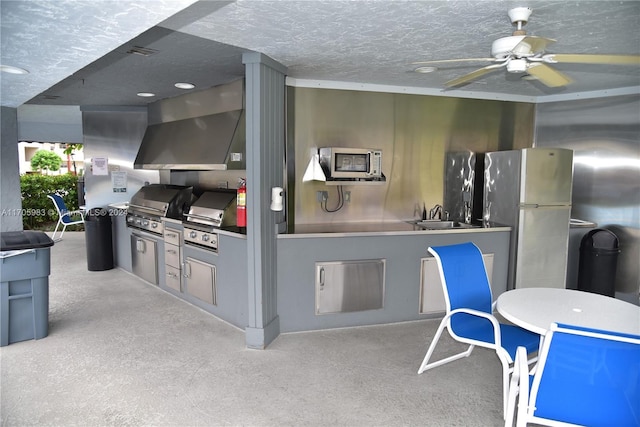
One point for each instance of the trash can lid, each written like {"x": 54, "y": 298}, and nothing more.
{"x": 601, "y": 239}
{"x": 16, "y": 240}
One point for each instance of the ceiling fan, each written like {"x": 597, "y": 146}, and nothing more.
{"x": 520, "y": 53}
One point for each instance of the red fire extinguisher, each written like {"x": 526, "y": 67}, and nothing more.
{"x": 241, "y": 213}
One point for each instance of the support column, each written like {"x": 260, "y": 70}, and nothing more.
{"x": 265, "y": 109}
{"x": 10, "y": 196}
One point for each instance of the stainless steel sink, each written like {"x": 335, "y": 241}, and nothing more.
{"x": 437, "y": 224}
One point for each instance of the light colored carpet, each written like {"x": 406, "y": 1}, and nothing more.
{"x": 122, "y": 352}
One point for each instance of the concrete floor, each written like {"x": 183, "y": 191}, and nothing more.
{"x": 122, "y": 352}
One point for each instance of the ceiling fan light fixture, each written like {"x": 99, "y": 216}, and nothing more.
{"x": 517, "y": 66}
{"x": 184, "y": 85}
{"x": 425, "y": 70}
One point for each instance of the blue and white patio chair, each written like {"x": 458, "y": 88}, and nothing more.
{"x": 585, "y": 377}
{"x": 469, "y": 308}
{"x": 65, "y": 216}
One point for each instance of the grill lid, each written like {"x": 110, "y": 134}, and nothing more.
{"x": 214, "y": 209}
{"x": 164, "y": 200}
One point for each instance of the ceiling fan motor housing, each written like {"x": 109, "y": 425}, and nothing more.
{"x": 504, "y": 46}
{"x": 520, "y": 14}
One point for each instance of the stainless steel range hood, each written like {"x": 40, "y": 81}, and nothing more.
{"x": 211, "y": 142}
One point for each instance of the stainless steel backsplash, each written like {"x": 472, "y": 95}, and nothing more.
{"x": 415, "y": 132}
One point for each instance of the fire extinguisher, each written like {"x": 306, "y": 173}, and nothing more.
{"x": 241, "y": 213}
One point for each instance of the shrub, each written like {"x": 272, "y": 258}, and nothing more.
{"x": 46, "y": 160}
{"x": 37, "y": 208}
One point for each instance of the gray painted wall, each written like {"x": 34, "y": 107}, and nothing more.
{"x": 605, "y": 136}
{"x": 10, "y": 198}
{"x": 49, "y": 123}
{"x": 296, "y": 274}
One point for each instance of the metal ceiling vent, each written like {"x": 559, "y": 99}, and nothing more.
{"x": 142, "y": 51}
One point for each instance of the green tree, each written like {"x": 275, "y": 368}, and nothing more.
{"x": 45, "y": 160}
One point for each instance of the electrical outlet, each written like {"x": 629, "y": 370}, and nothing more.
{"x": 322, "y": 196}
{"x": 347, "y": 196}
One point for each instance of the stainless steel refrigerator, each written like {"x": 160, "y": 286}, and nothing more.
{"x": 530, "y": 190}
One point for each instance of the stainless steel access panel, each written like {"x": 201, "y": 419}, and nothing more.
{"x": 200, "y": 280}
{"x": 346, "y": 286}
{"x": 143, "y": 258}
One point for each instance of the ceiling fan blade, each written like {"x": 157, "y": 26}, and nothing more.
{"x": 443, "y": 61}
{"x": 592, "y": 59}
{"x": 547, "y": 75}
{"x": 532, "y": 45}
{"x": 474, "y": 75}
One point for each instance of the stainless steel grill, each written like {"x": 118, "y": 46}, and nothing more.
{"x": 154, "y": 202}
{"x": 211, "y": 211}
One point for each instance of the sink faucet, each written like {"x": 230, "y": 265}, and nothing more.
{"x": 436, "y": 210}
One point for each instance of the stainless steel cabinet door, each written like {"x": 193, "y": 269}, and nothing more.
{"x": 143, "y": 258}
{"x": 345, "y": 286}
{"x": 200, "y": 280}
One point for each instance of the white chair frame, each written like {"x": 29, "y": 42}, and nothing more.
{"x": 64, "y": 218}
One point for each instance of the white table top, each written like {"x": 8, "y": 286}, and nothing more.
{"x": 535, "y": 309}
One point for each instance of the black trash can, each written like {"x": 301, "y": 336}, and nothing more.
{"x": 25, "y": 264}
{"x": 98, "y": 235}
{"x": 598, "y": 261}
{"x": 80, "y": 188}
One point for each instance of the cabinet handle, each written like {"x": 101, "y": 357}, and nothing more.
{"x": 172, "y": 251}
{"x": 172, "y": 235}
{"x": 187, "y": 270}
{"x": 322, "y": 277}
{"x": 172, "y": 275}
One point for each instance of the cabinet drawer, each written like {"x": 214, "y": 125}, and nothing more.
{"x": 172, "y": 278}
{"x": 172, "y": 236}
{"x": 172, "y": 255}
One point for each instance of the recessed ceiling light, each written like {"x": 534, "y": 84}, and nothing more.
{"x": 425, "y": 70}
{"x": 184, "y": 85}
{"x": 146, "y": 94}
{"x": 13, "y": 70}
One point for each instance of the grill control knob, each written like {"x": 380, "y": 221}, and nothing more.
{"x": 193, "y": 234}
{"x": 154, "y": 225}
{"x": 145, "y": 222}
{"x": 205, "y": 237}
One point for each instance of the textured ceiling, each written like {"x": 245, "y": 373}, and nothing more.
{"x": 370, "y": 42}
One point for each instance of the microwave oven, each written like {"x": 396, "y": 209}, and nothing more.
{"x": 351, "y": 163}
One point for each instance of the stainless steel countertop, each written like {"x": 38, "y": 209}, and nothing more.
{"x": 377, "y": 229}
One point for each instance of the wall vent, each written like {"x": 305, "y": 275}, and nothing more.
{"x": 143, "y": 51}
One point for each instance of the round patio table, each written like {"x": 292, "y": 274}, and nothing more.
{"x": 535, "y": 309}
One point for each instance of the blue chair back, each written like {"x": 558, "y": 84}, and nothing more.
{"x": 59, "y": 201}
{"x": 465, "y": 285}
{"x": 588, "y": 377}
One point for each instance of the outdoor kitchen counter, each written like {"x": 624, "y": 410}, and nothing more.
{"x": 382, "y": 269}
